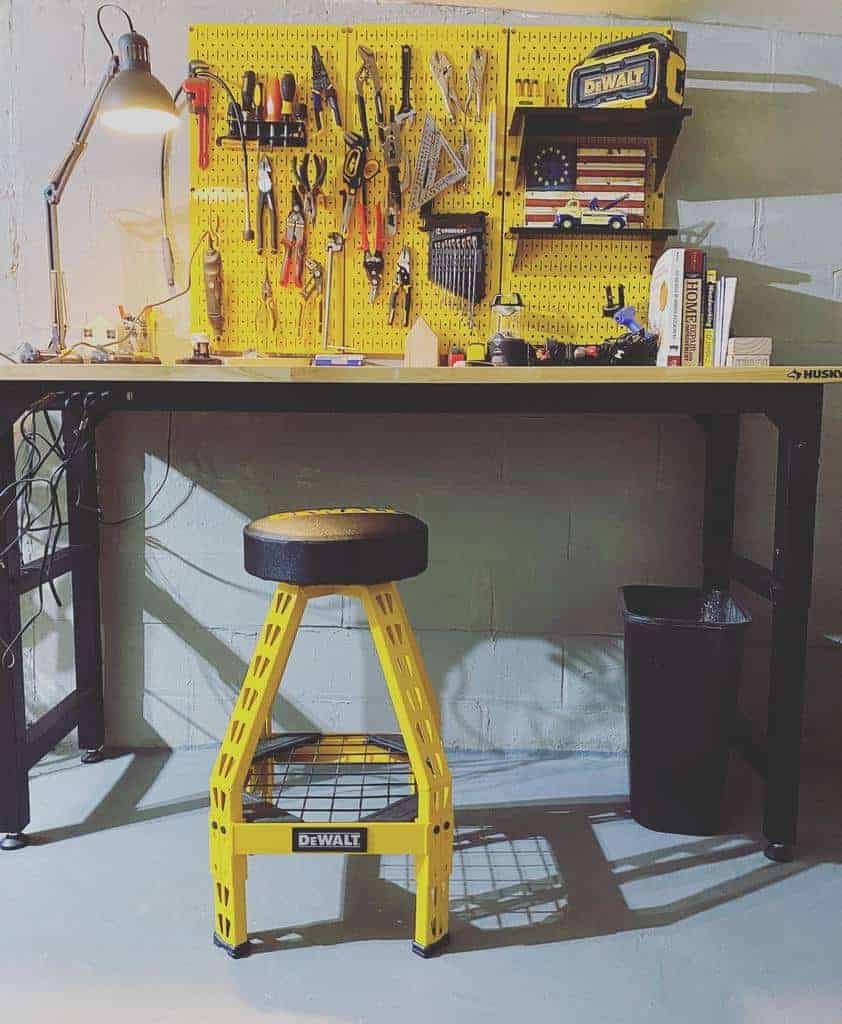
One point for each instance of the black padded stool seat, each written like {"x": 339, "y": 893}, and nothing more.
{"x": 314, "y": 547}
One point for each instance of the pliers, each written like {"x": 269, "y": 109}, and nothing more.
{"x": 266, "y": 314}
{"x": 442, "y": 72}
{"x": 403, "y": 283}
{"x": 310, "y": 193}
{"x": 323, "y": 91}
{"x": 294, "y": 244}
{"x": 313, "y": 288}
{"x": 266, "y": 201}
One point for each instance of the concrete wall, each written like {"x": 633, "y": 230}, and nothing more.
{"x": 534, "y": 520}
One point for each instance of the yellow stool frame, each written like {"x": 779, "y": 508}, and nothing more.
{"x": 428, "y": 838}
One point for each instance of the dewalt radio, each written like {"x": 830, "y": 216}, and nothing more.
{"x": 644, "y": 71}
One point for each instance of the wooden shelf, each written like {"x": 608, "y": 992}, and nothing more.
{"x": 589, "y": 231}
{"x": 583, "y": 122}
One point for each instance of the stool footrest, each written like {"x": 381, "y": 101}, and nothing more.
{"x": 323, "y": 778}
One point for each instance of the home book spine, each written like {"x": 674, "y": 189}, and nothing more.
{"x": 692, "y": 318}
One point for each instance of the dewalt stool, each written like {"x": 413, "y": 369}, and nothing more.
{"x": 315, "y": 793}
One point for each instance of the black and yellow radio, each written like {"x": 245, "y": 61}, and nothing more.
{"x": 644, "y": 71}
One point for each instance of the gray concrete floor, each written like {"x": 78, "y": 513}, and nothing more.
{"x": 562, "y": 909}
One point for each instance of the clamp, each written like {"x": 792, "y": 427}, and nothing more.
{"x": 294, "y": 244}
{"x": 310, "y": 193}
{"x": 476, "y": 82}
{"x": 442, "y": 71}
{"x": 403, "y": 283}
{"x": 266, "y": 201}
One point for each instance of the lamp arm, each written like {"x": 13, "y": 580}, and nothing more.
{"x": 53, "y": 192}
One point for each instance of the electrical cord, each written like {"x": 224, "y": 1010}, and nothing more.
{"x": 115, "y": 7}
{"x": 34, "y": 451}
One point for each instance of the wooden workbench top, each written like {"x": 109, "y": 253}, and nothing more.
{"x": 270, "y": 370}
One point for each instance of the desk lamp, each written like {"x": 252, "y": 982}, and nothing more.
{"x": 128, "y": 99}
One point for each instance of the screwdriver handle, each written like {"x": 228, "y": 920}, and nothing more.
{"x": 273, "y": 100}
{"x": 287, "y": 96}
{"x": 247, "y": 91}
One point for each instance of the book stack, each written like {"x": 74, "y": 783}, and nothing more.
{"x": 690, "y": 308}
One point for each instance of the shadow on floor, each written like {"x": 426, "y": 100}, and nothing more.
{"x": 527, "y": 875}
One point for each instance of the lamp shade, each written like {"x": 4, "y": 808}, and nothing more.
{"x": 135, "y": 101}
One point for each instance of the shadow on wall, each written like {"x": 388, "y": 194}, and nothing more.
{"x": 768, "y": 135}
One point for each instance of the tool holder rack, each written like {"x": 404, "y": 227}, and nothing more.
{"x": 561, "y": 280}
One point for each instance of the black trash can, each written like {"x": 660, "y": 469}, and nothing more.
{"x": 683, "y": 656}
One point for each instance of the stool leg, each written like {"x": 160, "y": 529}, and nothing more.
{"x": 235, "y": 756}
{"x": 415, "y": 707}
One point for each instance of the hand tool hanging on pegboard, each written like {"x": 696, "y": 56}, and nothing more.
{"x": 293, "y": 243}
{"x": 310, "y": 191}
{"x": 403, "y": 285}
{"x": 266, "y": 311}
{"x": 358, "y": 170}
{"x": 373, "y": 261}
{"x": 475, "y": 80}
{"x": 457, "y": 259}
{"x": 368, "y": 72}
{"x": 442, "y": 72}
{"x": 335, "y": 245}
{"x": 266, "y": 205}
{"x": 312, "y": 293}
{"x": 212, "y": 273}
{"x": 406, "y": 112}
{"x": 323, "y": 91}
{"x": 396, "y": 160}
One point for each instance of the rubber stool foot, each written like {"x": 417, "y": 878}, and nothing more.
{"x": 781, "y": 853}
{"x": 14, "y": 841}
{"x": 93, "y": 756}
{"x": 432, "y": 949}
{"x": 235, "y": 952}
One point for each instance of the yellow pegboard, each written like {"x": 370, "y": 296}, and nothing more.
{"x": 269, "y": 50}
{"x": 366, "y": 328}
{"x": 562, "y": 281}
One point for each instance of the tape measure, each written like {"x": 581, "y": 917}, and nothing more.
{"x": 644, "y": 71}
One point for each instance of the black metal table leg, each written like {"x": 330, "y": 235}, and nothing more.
{"x": 799, "y": 445}
{"x": 722, "y": 445}
{"x": 83, "y": 536}
{"x": 14, "y": 774}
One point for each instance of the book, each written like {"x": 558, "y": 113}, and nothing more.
{"x": 692, "y": 315}
{"x": 666, "y": 296}
{"x": 726, "y": 293}
{"x": 709, "y": 334}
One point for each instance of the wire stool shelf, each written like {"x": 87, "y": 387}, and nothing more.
{"x": 315, "y": 778}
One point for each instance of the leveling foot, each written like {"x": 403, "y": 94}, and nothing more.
{"x": 433, "y": 949}
{"x": 781, "y": 853}
{"x": 14, "y": 841}
{"x": 235, "y": 952}
{"x": 93, "y": 756}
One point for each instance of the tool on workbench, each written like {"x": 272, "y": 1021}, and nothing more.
{"x": 212, "y": 271}
{"x": 475, "y": 77}
{"x": 323, "y": 91}
{"x": 293, "y": 243}
{"x": 266, "y": 204}
{"x": 504, "y": 347}
{"x": 368, "y": 72}
{"x": 335, "y": 244}
{"x": 373, "y": 261}
{"x": 396, "y": 159}
{"x": 427, "y": 183}
{"x": 442, "y": 71}
{"x": 310, "y": 191}
{"x": 266, "y": 311}
{"x": 406, "y": 112}
{"x": 403, "y": 286}
{"x": 197, "y": 90}
{"x": 312, "y": 291}
{"x": 201, "y": 352}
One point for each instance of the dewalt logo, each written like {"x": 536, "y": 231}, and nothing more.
{"x": 615, "y": 81}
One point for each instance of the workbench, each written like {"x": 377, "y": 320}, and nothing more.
{"x": 790, "y": 397}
